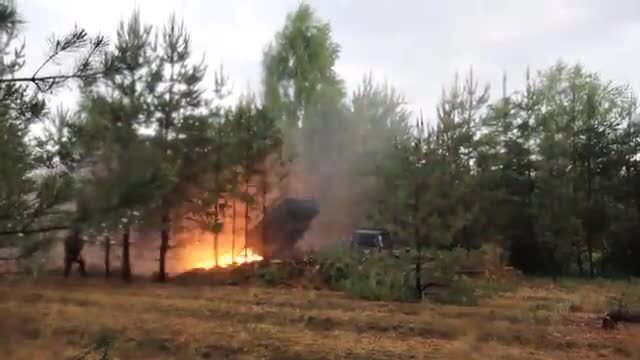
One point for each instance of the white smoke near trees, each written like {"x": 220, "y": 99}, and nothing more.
{"x": 338, "y": 156}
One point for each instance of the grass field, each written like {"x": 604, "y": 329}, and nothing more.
{"x": 53, "y": 319}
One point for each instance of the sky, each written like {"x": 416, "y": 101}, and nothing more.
{"x": 415, "y": 45}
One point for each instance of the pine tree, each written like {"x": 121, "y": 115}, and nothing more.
{"x": 87, "y": 51}
{"x": 31, "y": 185}
{"x": 178, "y": 102}
{"x": 125, "y": 171}
{"x": 255, "y": 137}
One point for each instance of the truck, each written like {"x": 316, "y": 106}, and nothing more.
{"x": 368, "y": 239}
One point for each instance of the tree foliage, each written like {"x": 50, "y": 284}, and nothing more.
{"x": 549, "y": 172}
{"x": 35, "y": 175}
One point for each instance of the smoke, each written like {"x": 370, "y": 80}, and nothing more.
{"x": 339, "y": 145}
{"x": 283, "y": 226}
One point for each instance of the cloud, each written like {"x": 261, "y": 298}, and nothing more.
{"x": 415, "y": 45}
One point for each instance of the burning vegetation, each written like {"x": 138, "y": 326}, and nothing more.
{"x": 273, "y": 236}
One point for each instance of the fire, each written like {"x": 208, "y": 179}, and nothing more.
{"x": 227, "y": 259}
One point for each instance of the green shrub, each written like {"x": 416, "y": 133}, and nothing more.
{"x": 337, "y": 264}
{"x": 391, "y": 276}
{"x": 279, "y": 273}
{"x": 371, "y": 276}
{"x": 379, "y": 283}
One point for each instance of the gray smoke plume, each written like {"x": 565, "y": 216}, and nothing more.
{"x": 284, "y": 225}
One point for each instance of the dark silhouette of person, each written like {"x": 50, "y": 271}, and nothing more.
{"x": 73, "y": 245}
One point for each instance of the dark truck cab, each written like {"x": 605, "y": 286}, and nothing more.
{"x": 371, "y": 239}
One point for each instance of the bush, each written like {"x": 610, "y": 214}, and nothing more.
{"x": 372, "y": 276}
{"x": 391, "y": 276}
{"x": 379, "y": 282}
{"x": 337, "y": 264}
{"x": 278, "y": 274}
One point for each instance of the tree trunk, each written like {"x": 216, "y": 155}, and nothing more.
{"x": 589, "y": 234}
{"x": 418, "y": 240}
{"x": 107, "y": 257}
{"x": 164, "y": 248}
{"x": 126, "y": 261}
{"x": 263, "y": 228}
{"x": 233, "y": 233}
{"x": 630, "y": 262}
{"x": 579, "y": 259}
{"x": 590, "y": 252}
{"x": 555, "y": 264}
{"x": 418, "y": 271}
{"x": 603, "y": 257}
{"x": 215, "y": 248}
{"x": 246, "y": 223}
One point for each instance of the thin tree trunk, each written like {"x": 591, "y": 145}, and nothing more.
{"x": 579, "y": 259}
{"x": 164, "y": 248}
{"x": 630, "y": 262}
{"x": 263, "y": 228}
{"x": 215, "y": 237}
{"x": 418, "y": 240}
{"x": 246, "y": 223}
{"x": 418, "y": 270}
{"x": 556, "y": 264}
{"x": 602, "y": 263}
{"x": 107, "y": 257}
{"x": 233, "y": 233}
{"x": 590, "y": 252}
{"x": 215, "y": 247}
{"x": 125, "y": 268}
{"x": 589, "y": 234}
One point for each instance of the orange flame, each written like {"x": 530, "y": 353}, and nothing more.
{"x": 227, "y": 259}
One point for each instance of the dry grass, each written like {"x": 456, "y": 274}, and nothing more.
{"x": 53, "y": 319}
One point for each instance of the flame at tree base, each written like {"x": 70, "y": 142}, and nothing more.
{"x": 227, "y": 259}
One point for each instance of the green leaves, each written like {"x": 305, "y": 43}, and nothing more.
{"x": 298, "y": 66}
{"x": 34, "y": 176}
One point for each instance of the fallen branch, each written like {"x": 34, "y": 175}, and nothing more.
{"x": 624, "y": 316}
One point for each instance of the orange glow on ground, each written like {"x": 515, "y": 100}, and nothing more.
{"x": 226, "y": 259}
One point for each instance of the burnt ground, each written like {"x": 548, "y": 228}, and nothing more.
{"x": 53, "y": 319}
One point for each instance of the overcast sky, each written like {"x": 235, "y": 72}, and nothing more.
{"x": 416, "y": 45}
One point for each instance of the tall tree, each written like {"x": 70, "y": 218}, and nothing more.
{"x": 125, "y": 173}
{"x": 460, "y": 114}
{"x": 378, "y": 119}
{"x": 255, "y": 137}
{"x": 507, "y": 163}
{"x": 297, "y": 66}
{"x": 426, "y": 195}
{"x": 178, "y": 101}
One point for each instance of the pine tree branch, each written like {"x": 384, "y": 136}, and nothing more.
{"x": 36, "y": 79}
{"x": 34, "y": 231}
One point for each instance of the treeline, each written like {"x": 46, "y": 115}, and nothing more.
{"x": 548, "y": 172}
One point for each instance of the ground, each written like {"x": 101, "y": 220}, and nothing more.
{"x": 56, "y": 319}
